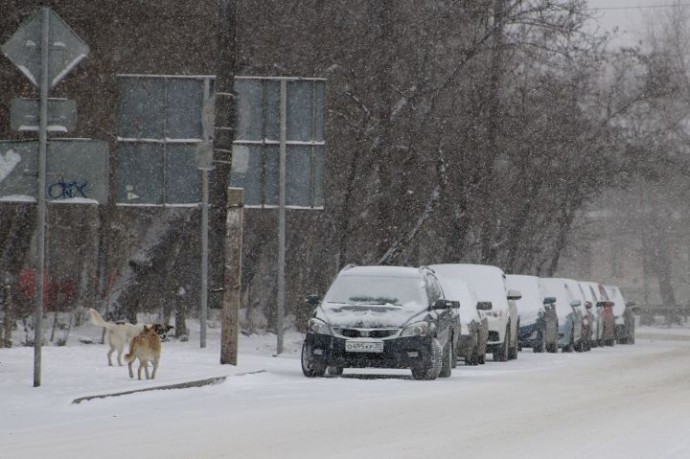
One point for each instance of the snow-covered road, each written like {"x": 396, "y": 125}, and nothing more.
{"x": 620, "y": 402}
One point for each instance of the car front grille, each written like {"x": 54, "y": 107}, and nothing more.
{"x": 366, "y": 333}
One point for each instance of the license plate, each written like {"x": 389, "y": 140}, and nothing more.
{"x": 364, "y": 346}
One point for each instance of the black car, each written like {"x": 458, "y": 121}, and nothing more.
{"x": 382, "y": 317}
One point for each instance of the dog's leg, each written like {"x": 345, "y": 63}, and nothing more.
{"x": 119, "y": 356}
{"x": 110, "y": 354}
{"x": 155, "y": 367}
{"x": 146, "y": 369}
{"x": 131, "y": 372}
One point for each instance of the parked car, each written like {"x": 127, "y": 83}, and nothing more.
{"x": 623, "y": 314}
{"x": 538, "y": 317}
{"x": 382, "y": 317}
{"x": 585, "y": 315}
{"x": 474, "y": 325}
{"x": 594, "y": 313}
{"x": 606, "y": 336}
{"x": 489, "y": 284}
{"x": 569, "y": 319}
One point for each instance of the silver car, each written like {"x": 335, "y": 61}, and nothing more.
{"x": 474, "y": 325}
{"x": 567, "y": 309}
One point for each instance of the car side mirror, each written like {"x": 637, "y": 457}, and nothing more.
{"x": 588, "y": 304}
{"x": 576, "y": 303}
{"x": 550, "y": 300}
{"x": 514, "y": 294}
{"x": 313, "y": 300}
{"x": 484, "y": 305}
{"x": 446, "y": 304}
{"x": 601, "y": 304}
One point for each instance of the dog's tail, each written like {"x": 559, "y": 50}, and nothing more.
{"x": 130, "y": 356}
{"x": 97, "y": 319}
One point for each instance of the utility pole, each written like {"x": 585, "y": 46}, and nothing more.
{"x": 230, "y": 326}
{"x": 224, "y": 135}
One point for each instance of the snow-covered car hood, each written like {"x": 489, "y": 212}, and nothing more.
{"x": 370, "y": 316}
{"x": 528, "y": 318}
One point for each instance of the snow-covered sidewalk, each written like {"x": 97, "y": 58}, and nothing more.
{"x": 80, "y": 370}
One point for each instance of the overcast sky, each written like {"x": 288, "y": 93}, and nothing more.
{"x": 628, "y": 15}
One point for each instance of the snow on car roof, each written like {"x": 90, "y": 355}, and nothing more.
{"x": 587, "y": 292}
{"x": 389, "y": 271}
{"x": 573, "y": 287}
{"x": 458, "y": 290}
{"x": 616, "y": 296}
{"x": 598, "y": 289}
{"x": 532, "y": 300}
{"x": 487, "y": 281}
{"x": 557, "y": 287}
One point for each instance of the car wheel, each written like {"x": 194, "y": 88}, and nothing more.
{"x": 501, "y": 354}
{"x": 513, "y": 349}
{"x": 540, "y": 347}
{"x": 454, "y": 356}
{"x": 310, "y": 369}
{"x": 432, "y": 369}
{"x": 447, "y": 363}
{"x": 335, "y": 371}
{"x": 569, "y": 347}
{"x": 474, "y": 359}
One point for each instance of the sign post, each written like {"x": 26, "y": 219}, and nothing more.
{"x": 47, "y": 29}
{"x": 278, "y": 155}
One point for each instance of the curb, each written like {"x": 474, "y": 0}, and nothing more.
{"x": 184, "y": 385}
{"x": 661, "y": 337}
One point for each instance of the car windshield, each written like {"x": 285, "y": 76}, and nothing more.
{"x": 376, "y": 290}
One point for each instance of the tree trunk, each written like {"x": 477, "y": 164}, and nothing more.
{"x": 224, "y": 135}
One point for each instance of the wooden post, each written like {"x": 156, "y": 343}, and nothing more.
{"x": 232, "y": 290}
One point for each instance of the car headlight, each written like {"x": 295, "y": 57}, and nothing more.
{"x": 318, "y": 326}
{"x": 416, "y": 329}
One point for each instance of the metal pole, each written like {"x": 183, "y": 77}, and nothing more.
{"x": 281, "y": 216}
{"x": 204, "y": 257}
{"x": 207, "y": 124}
{"x": 42, "y": 153}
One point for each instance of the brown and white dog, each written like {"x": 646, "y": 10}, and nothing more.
{"x": 119, "y": 334}
{"x": 146, "y": 347}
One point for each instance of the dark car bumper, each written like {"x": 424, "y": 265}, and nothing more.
{"x": 407, "y": 352}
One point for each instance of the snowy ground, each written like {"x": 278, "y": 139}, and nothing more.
{"x": 620, "y": 402}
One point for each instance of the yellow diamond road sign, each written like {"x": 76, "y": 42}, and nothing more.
{"x": 65, "y": 48}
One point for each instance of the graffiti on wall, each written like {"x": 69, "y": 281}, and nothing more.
{"x": 67, "y": 189}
